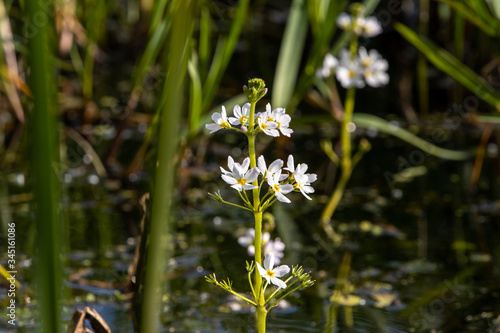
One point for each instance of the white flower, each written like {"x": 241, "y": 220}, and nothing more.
{"x": 279, "y": 189}
{"x": 267, "y": 125}
{"x": 366, "y": 26}
{"x": 280, "y": 117}
{"x": 220, "y": 121}
{"x": 303, "y": 183}
{"x": 350, "y": 75}
{"x": 374, "y": 67}
{"x": 241, "y": 114}
{"x": 330, "y": 63}
{"x": 371, "y": 27}
{"x": 270, "y": 274}
{"x": 344, "y": 21}
{"x": 239, "y": 177}
{"x": 299, "y": 170}
{"x": 273, "y": 168}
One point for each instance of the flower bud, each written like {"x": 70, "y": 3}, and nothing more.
{"x": 255, "y": 90}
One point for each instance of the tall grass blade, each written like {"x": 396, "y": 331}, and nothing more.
{"x": 170, "y": 115}
{"x": 290, "y": 54}
{"x": 224, "y": 51}
{"x": 44, "y": 151}
{"x": 451, "y": 66}
{"x": 488, "y": 24}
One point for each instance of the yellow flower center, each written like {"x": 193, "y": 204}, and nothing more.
{"x": 270, "y": 273}
{"x": 351, "y": 73}
{"x": 270, "y": 119}
{"x": 263, "y": 126}
{"x": 243, "y": 119}
{"x": 225, "y": 124}
{"x": 279, "y": 124}
{"x": 242, "y": 181}
{"x": 366, "y": 62}
{"x": 276, "y": 188}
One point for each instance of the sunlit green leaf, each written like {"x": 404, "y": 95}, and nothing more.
{"x": 371, "y": 121}
{"x": 451, "y": 66}
{"x": 290, "y": 54}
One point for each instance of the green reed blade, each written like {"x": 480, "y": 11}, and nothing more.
{"x": 451, "y": 66}
{"x": 170, "y": 109}
{"x": 44, "y": 152}
{"x": 370, "y": 121}
{"x": 290, "y": 54}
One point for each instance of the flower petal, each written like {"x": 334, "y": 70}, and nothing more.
{"x": 281, "y": 270}
{"x": 262, "y": 272}
{"x": 278, "y": 282}
{"x": 269, "y": 261}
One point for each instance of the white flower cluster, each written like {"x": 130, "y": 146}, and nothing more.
{"x": 361, "y": 26}
{"x": 366, "y": 67}
{"x": 240, "y": 177}
{"x": 270, "y": 122}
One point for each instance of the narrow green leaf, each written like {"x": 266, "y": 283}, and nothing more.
{"x": 195, "y": 105}
{"x": 495, "y": 7}
{"x": 490, "y": 27}
{"x": 370, "y": 121}
{"x": 290, "y": 54}
{"x": 451, "y": 66}
{"x": 44, "y": 156}
{"x": 153, "y": 47}
{"x": 205, "y": 45}
{"x": 224, "y": 54}
{"x": 169, "y": 110}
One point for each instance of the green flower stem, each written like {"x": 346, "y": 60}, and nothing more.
{"x": 261, "y": 319}
{"x": 236, "y": 205}
{"x": 345, "y": 163}
{"x": 251, "y": 284}
{"x": 242, "y": 297}
{"x": 261, "y": 310}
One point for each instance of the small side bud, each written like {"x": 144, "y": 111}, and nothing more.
{"x": 365, "y": 145}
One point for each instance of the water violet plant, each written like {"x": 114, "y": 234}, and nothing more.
{"x": 355, "y": 68}
{"x": 268, "y": 183}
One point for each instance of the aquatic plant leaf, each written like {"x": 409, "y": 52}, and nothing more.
{"x": 446, "y": 62}
{"x": 370, "y": 121}
{"x": 477, "y": 16}
{"x": 289, "y": 56}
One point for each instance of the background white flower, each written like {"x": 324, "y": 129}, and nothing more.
{"x": 374, "y": 67}
{"x": 371, "y": 27}
{"x": 269, "y": 245}
{"x": 330, "y": 64}
{"x": 270, "y": 274}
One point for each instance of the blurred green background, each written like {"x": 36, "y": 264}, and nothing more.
{"x": 106, "y": 165}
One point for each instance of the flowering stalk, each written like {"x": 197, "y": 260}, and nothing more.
{"x": 356, "y": 67}
{"x": 245, "y": 176}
